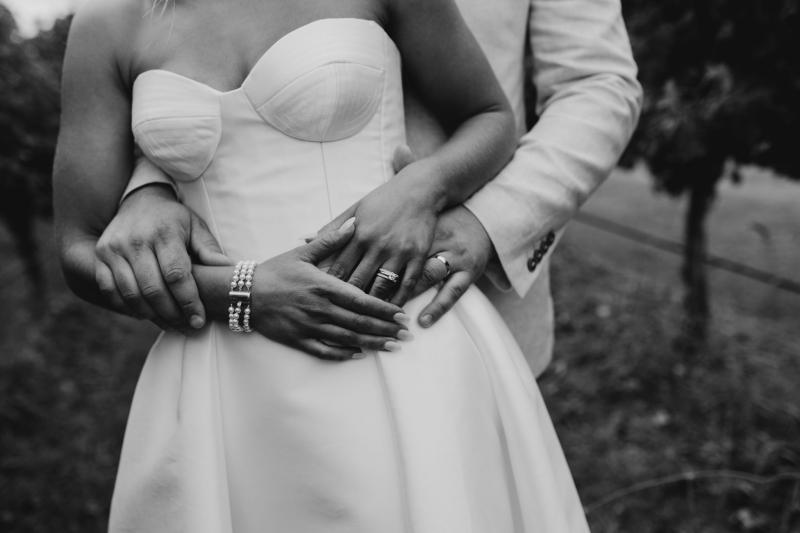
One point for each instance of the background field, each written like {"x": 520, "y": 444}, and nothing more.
{"x": 658, "y": 442}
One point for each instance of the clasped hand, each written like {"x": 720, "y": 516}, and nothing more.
{"x": 394, "y": 230}
{"x": 398, "y": 228}
{"x": 144, "y": 267}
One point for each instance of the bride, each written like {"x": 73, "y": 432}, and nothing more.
{"x": 273, "y": 117}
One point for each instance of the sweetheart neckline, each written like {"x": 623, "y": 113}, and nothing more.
{"x": 261, "y": 58}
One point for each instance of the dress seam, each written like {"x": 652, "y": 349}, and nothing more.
{"x": 386, "y": 174}
{"x": 325, "y": 178}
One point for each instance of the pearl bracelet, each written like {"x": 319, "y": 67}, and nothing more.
{"x": 239, "y": 307}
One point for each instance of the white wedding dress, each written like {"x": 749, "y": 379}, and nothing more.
{"x": 237, "y": 434}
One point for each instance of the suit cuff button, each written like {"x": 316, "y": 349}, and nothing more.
{"x": 551, "y": 238}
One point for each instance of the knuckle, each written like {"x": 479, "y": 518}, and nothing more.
{"x": 379, "y": 286}
{"x": 151, "y": 291}
{"x": 364, "y": 236}
{"x": 136, "y": 243}
{"x": 348, "y": 337}
{"x": 102, "y": 247}
{"x": 356, "y": 301}
{"x": 175, "y": 274}
{"x": 106, "y": 290}
{"x": 361, "y": 322}
{"x": 428, "y": 276}
{"x": 358, "y": 281}
{"x": 130, "y": 296}
{"x": 164, "y": 233}
{"x": 409, "y": 283}
{"x": 375, "y": 343}
{"x": 112, "y": 247}
{"x": 458, "y": 290}
{"x": 337, "y": 271}
{"x": 187, "y": 304}
{"x": 327, "y": 353}
{"x": 318, "y": 291}
{"x": 316, "y": 312}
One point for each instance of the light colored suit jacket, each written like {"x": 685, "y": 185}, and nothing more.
{"x": 588, "y": 103}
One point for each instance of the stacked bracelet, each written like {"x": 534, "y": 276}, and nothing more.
{"x": 239, "y": 307}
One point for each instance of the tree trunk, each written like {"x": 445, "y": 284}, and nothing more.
{"x": 696, "y": 299}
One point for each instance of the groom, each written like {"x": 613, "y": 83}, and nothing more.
{"x": 587, "y": 100}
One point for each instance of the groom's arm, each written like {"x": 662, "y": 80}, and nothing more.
{"x": 588, "y": 102}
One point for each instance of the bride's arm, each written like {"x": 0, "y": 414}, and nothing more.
{"x": 448, "y": 69}
{"x": 444, "y": 62}
{"x": 294, "y": 302}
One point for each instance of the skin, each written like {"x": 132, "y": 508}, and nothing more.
{"x": 459, "y": 237}
{"x": 111, "y": 42}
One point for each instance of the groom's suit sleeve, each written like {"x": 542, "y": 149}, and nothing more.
{"x": 146, "y": 173}
{"x": 588, "y": 102}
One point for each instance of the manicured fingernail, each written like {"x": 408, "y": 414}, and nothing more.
{"x": 358, "y": 355}
{"x": 405, "y": 335}
{"x": 197, "y": 322}
{"x": 426, "y": 321}
{"x": 401, "y": 318}
{"x": 348, "y": 224}
{"x": 391, "y": 346}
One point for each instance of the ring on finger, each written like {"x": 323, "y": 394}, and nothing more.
{"x": 388, "y": 275}
{"x": 446, "y": 263}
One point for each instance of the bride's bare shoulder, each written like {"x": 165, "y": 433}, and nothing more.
{"x": 111, "y": 16}
{"x": 108, "y": 30}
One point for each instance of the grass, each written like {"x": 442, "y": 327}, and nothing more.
{"x": 635, "y": 413}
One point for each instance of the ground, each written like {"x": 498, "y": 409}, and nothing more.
{"x": 658, "y": 441}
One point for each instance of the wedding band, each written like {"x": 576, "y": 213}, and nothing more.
{"x": 388, "y": 275}
{"x": 446, "y": 264}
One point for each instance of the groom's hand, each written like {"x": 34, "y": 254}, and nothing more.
{"x": 462, "y": 240}
{"x": 144, "y": 258}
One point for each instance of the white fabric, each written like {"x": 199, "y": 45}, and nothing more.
{"x": 236, "y": 434}
{"x": 589, "y": 100}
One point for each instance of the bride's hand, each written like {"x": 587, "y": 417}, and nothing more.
{"x": 394, "y": 231}
{"x": 298, "y": 305}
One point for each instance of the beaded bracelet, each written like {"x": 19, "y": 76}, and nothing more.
{"x": 239, "y": 307}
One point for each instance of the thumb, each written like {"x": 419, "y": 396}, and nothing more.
{"x": 403, "y": 156}
{"x": 338, "y": 222}
{"x": 204, "y": 246}
{"x": 327, "y": 243}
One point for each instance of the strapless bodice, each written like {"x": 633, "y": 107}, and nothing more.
{"x": 310, "y": 131}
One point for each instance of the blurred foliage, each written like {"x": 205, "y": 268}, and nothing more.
{"x": 30, "y": 73}
{"x": 660, "y": 441}
{"x": 722, "y": 82}
{"x": 722, "y": 89}
{"x": 29, "y": 115}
